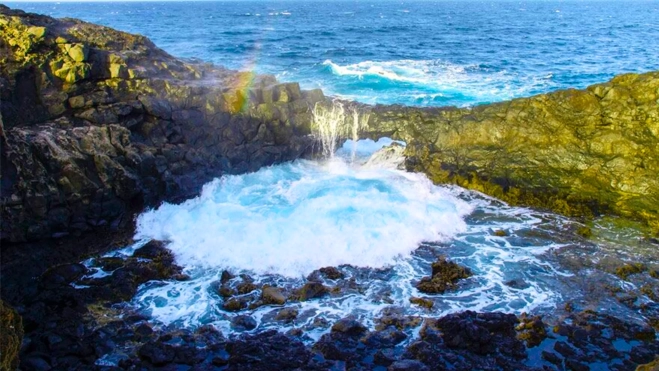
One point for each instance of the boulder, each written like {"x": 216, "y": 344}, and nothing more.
{"x": 445, "y": 276}
{"x": 77, "y": 52}
{"x": 310, "y": 290}
{"x": 272, "y": 295}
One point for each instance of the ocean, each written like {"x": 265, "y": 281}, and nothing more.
{"x": 427, "y": 53}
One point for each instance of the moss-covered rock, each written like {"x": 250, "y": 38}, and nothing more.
{"x": 577, "y": 152}
{"x": 272, "y": 295}
{"x": 652, "y": 366}
{"x": 627, "y": 270}
{"x": 77, "y": 52}
{"x": 422, "y": 302}
{"x": 310, "y": 290}
{"x": 38, "y": 32}
{"x": 531, "y": 330}
{"x": 445, "y": 276}
{"x": 11, "y": 336}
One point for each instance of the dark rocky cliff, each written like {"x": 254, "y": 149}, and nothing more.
{"x": 97, "y": 122}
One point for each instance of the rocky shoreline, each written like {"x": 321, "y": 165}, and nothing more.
{"x": 90, "y": 327}
{"x": 98, "y": 124}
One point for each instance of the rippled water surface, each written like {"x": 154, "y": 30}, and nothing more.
{"x": 414, "y": 52}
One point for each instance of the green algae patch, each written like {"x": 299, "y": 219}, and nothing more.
{"x": 629, "y": 269}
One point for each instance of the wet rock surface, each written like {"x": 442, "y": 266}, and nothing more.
{"x": 99, "y": 131}
{"x": 445, "y": 276}
{"x": 91, "y": 327}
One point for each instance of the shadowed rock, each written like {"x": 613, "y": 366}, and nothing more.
{"x": 11, "y": 336}
{"x": 98, "y": 123}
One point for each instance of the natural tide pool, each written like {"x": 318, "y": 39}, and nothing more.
{"x": 381, "y": 228}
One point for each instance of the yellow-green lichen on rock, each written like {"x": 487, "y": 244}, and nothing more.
{"x": 70, "y": 72}
{"x": 77, "y": 52}
{"x": 11, "y": 336}
{"x": 38, "y": 32}
{"x": 577, "y": 152}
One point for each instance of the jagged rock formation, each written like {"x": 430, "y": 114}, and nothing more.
{"x": 577, "y": 152}
{"x": 97, "y": 122}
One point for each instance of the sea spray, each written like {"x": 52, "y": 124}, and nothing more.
{"x": 359, "y": 122}
{"x": 334, "y": 122}
{"x": 294, "y": 218}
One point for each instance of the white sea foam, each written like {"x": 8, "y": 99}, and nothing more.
{"x": 282, "y": 222}
{"x": 294, "y": 218}
{"x": 431, "y": 81}
{"x": 399, "y": 70}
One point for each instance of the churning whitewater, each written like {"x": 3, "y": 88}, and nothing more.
{"x": 380, "y": 226}
{"x": 294, "y": 218}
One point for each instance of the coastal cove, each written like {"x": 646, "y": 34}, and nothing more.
{"x": 166, "y": 213}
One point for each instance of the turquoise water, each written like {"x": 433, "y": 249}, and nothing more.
{"x": 413, "y": 52}
{"x": 381, "y": 226}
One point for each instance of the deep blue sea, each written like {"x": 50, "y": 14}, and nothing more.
{"x": 413, "y": 52}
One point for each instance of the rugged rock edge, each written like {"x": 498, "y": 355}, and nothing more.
{"x": 580, "y": 153}
{"x": 98, "y": 124}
